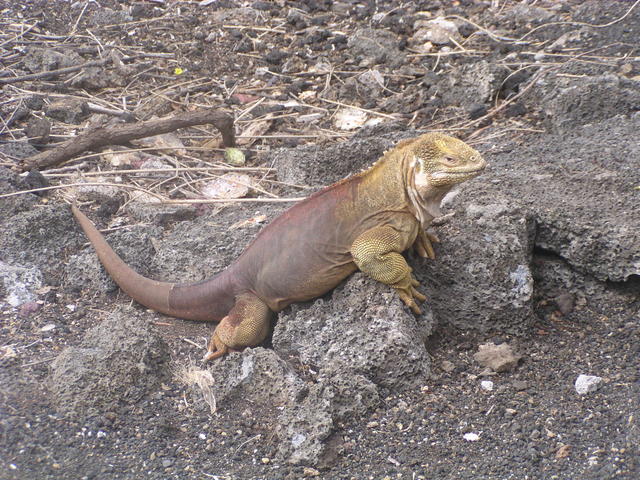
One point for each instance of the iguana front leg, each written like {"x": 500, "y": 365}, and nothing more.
{"x": 376, "y": 252}
{"x": 246, "y": 325}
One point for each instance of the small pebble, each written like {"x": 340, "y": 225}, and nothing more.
{"x": 520, "y": 385}
{"x": 447, "y": 366}
{"x": 486, "y": 385}
{"x": 477, "y": 110}
{"x": 310, "y": 472}
{"x": 471, "y": 437}
{"x": 587, "y": 384}
{"x": 499, "y": 358}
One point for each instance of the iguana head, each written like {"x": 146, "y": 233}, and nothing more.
{"x": 442, "y": 161}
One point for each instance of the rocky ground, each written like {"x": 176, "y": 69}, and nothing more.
{"x": 535, "y": 285}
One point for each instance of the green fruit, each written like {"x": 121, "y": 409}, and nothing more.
{"x": 234, "y": 156}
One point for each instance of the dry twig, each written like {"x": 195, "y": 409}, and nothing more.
{"x": 124, "y": 133}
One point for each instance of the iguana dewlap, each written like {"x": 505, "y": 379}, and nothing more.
{"x": 363, "y": 222}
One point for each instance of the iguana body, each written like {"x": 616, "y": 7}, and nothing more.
{"x": 363, "y": 222}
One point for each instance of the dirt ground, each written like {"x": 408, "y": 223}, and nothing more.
{"x": 553, "y": 85}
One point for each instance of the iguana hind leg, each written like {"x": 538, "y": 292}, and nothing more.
{"x": 246, "y": 325}
{"x": 376, "y": 252}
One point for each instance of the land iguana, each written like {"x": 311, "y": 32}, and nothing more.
{"x": 362, "y": 222}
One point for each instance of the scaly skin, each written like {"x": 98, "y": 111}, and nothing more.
{"x": 363, "y": 222}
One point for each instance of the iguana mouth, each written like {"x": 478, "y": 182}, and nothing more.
{"x": 477, "y": 171}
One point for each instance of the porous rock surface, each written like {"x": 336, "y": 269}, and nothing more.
{"x": 580, "y": 188}
{"x": 355, "y": 345}
{"x": 84, "y": 271}
{"x": 117, "y": 363}
{"x": 48, "y": 230}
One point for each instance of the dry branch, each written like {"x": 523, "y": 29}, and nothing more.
{"x": 122, "y": 134}
{"x": 53, "y": 73}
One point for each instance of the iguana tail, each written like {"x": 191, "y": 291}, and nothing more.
{"x": 209, "y": 300}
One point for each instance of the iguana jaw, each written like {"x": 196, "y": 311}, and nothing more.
{"x": 453, "y": 177}
{"x": 426, "y": 180}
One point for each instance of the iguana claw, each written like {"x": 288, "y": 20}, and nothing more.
{"x": 409, "y": 295}
{"x": 423, "y": 244}
{"x": 216, "y": 349}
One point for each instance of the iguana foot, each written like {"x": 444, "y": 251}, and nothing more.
{"x": 423, "y": 244}
{"x": 216, "y": 348}
{"x": 246, "y": 325}
{"x": 407, "y": 292}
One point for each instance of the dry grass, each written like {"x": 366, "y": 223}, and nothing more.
{"x": 192, "y": 376}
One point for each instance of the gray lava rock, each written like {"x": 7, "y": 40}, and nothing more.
{"x": 96, "y": 78}
{"x": 360, "y": 342}
{"x": 38, "y": 130}
{"x": 321, "y": 165}
{"x": 117, "y": 363}
{"x": 579, "y": 188}
{"x": 9, "y": 206}
{"x": 438, "y": 31}
{"x": 40, "y": 236}
{"x": 38, "y": 60}
{"x": 19, "y": 150}
{"x": 569, "y": 101}
{"x": 264, "y": 380}
{"x": 587, "y": 384}
{"x": 306, "y": 427}
{"x": 68, "y": 110}
{"x": 258, "y": 376}
{"x": 528, "y": 14}
{"x": 195, "y": 250}
{"x": 107, "y": 16}
{"x": 84, "y": 271}
{"x": 376, "y": 46}
{"x": 481, "y": 277}
{"x": 364, "y": 329}
{"x": 473, "y": 83}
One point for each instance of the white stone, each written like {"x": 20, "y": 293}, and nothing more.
{"x": 471, "y": 437}
{"x": 587, "y": 384}
{"x": 439, "y": 31}
{"x": 20, "y": 283}
{"x": 486, "y": 385}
